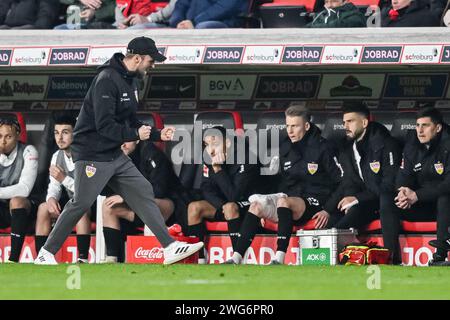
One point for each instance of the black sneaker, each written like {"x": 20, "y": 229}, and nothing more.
{"x": 229, "y": 261}
{"x": 275, "y": 263}
{"x": 437, "y": 260}
{"x": 440, "y": 245}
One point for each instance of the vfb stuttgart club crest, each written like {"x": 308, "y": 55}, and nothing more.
{"x": 312, "y": 168}
{"x": 439, "y": 167}
{"x": 375, "y": 166}
{"x": 90, "y": 171}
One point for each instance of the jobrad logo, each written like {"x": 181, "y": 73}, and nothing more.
{"x": 223, "y": 55}
{"x": 446, "y": 54}
{"x": 68, "y": 56}
{"x": 381, "y": 54}
{"x": 5, "y": 57}
{"x": 302, "y": 54}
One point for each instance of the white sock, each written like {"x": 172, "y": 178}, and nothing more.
{"x": 111, "y": 259}
{"x": 279, "y": 256}
{"x": 236, "y": 257}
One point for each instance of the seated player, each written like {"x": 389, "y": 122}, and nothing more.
{"x": 423, "y": 184}
{"x": 18, "y": 171}
{"x": 61, "y": 189}
{"x": 309, "y": 174}
{"x": 228, "y": 180}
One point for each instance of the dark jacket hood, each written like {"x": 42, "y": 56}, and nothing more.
{"x": 116, "y": 63}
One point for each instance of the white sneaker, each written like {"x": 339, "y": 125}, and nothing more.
{"x": 178, "y": 250}
{"x": 45, "y": 258}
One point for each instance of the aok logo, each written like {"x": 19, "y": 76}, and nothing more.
{"x": 316, "y": 257}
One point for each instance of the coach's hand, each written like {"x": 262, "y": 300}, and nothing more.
{"x": 144, "y": 132}
{"x": 321, "y": 218}
{"x": 167, "y": 133}
{"x": 57, "y": 173}
{"x": 113, "y": 200}
{"x": 53, "y": 206}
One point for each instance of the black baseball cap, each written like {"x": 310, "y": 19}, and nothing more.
{"x": 145, "y": 46}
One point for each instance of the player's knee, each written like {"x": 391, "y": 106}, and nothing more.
{"x": 255, "y": 209}
{"x": 282, "y": 202}
{"x": 195, "y": 211}
{"x": 230, "y": 210}
{"x": 18, "y": 202}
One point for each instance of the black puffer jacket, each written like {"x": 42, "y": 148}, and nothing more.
{"x": 37, "y": 14}
{"x": 426, "y": 169}
{"x": 380, "y": 160}
{"x": 417, "y": 14}
{"x": 108, "y": 115}
{"x": 309, "y": 167}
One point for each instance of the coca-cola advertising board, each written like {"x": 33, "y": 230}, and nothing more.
{"x": 147, "y": 249}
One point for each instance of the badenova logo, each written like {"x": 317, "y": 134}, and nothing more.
{"x": 68, "y": 87}
{"x": 377, "y": 54}
{"x": 262, "y": 54}
{"x": 30, "y": 57}
{"x": 68, "y": 56}
{"x": 5, "y": 57}
{"x": 341, "y": 54}
{"x": 446, "y": 54}
{"x": 99, "y": 55}
{"x": 184, "y": 54}
{"x": 223, "y": 54}
{"x": 302, "y": 54}
{"x": 320, "y": 256}
{"x": 421, "y": 54}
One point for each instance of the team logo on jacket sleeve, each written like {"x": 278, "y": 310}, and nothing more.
{"x": 205, "y": 171}
{"x": 439, "y": 167}
{"x": 312, "y": 168}
{"x": 90, "y": 171}
{"x": 375, "y": 166}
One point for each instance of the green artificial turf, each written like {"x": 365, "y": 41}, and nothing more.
{"x": 127, "y": 281}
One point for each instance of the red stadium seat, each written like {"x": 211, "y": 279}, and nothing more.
{"x": 419, "y": 227}
{"x": 365, "y": 2}
{"x": 407, "y": 226}
{"x": 5, "y": 231}
{"x": 272, "y": 226}
{"x": 216, "y": 226}
{"x": 308, "y": 4}
{"x": 371, "y": 227}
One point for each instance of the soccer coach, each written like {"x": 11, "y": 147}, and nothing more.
{"x": 106, "y": 120}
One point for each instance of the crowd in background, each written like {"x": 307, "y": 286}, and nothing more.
{"x": 205, "y": 14}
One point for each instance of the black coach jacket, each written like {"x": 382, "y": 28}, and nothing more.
{"x": 108, "y": 115}
{"x": 426, "y": 169}
{"x": 380, "y": 159}
{"x": 309, "y": 167}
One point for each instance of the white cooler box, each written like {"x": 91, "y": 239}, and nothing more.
{"x": 322, "y": 247}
